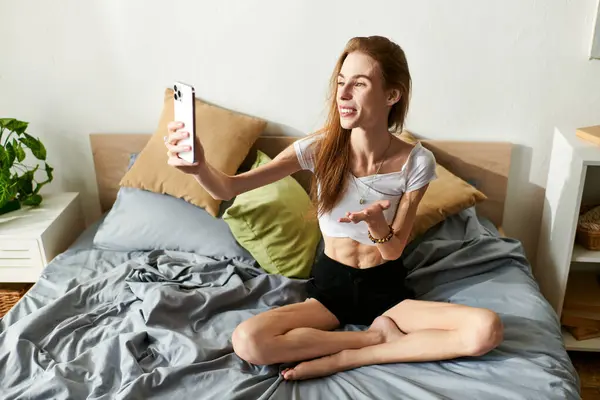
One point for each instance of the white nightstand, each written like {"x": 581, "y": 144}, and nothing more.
{"x": 573, "y": 180}
{"x": 32, "y": 236}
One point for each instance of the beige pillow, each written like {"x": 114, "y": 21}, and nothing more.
{"x": 447, "y": 195}
{"x": 226, "y": 136}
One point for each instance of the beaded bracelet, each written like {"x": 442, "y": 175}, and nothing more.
{"x": 384, "y": 239}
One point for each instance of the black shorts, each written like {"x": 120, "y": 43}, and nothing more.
{"x": 357, "y": 296}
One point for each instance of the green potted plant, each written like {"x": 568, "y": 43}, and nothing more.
{"x": 18, "y": 183}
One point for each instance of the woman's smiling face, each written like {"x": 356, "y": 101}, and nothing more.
{"x": 361, "y": 97}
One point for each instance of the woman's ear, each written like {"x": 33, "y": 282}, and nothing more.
{"x": 393, "y": 97}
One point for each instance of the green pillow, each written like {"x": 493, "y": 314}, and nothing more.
{"x": 271, "y": 223}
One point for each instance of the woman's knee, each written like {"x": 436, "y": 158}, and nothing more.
{"x": 484, "y": 332}
{"x": 249, "y": 344}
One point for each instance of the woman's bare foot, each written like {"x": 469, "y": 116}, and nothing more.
{"x": 316, "y": 368}
{"x": 341, "y": 361}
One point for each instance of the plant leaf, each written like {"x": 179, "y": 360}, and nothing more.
{"x": 4, "y": 122}
{"x": 26, "y": 183}
{"x": 7, "y": 190}
{"x": 14, "y": 125}
{"x": 3, "y": 159}
{"x": 19, "y": 152}
{"x": 10, "y": 154}
{"x": 35, "y": 145}
{"x": 39, "y": 185}
{"x": 49, "y": 170}
{"x": 18, "y": 126}
{"x": 33, "y": 200}
{"x": 5, "y": 172}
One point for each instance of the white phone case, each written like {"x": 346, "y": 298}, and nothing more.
{"x": 184, "y": 111}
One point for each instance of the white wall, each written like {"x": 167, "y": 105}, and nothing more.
{"x": 504, "y": 70}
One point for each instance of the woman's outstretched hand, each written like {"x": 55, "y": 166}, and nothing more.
{"x": 372, "y": 215}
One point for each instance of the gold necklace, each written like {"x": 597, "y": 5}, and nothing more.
{"x": 362, "y": 198}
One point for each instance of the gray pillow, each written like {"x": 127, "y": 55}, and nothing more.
{"x": 144, "y": 220}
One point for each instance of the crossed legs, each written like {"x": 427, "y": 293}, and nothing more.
{"x": 411, "y": 331}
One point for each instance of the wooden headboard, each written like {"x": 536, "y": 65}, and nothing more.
{"x": 485, "y": 165}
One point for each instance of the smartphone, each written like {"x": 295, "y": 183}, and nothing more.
{"x": 185, "y": 111}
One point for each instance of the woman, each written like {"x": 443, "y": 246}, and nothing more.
{"x": 367, "y": 186}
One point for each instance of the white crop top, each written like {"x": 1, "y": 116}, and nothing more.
{"x": 418, "y": 171}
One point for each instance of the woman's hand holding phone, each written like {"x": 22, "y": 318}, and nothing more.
{"x": 176, "y": 133}
{"x": 215, "y": 182}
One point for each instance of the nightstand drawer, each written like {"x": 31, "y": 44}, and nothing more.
{"x": 19, "y": 253}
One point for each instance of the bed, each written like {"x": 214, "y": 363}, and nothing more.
{"x": 156, "y": 323}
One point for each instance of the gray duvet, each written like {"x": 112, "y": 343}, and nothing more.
{"x": 157, "y": 325}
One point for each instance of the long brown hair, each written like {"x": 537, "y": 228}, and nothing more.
{"x": 332, "y": 164}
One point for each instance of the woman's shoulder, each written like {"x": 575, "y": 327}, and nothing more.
{"x": 310, "y": 138}
{"x": 414, "y": 154}
{"x": 421, "y": 168}
{"x": 422, "y": 155}
{"x": 306, "y": 148}
{"x": 308, "y": 144}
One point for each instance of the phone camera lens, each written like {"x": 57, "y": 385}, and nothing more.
{"x": 175, "y": 88}
{"x": 176, "y": 97}
{"x": 179, "y": 93}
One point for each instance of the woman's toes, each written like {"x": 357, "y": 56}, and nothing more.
{"x": 288, "y": 374}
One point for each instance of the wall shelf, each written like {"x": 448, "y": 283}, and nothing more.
{"x": 573, "y": 344}
{"x": 581, "y": 254}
